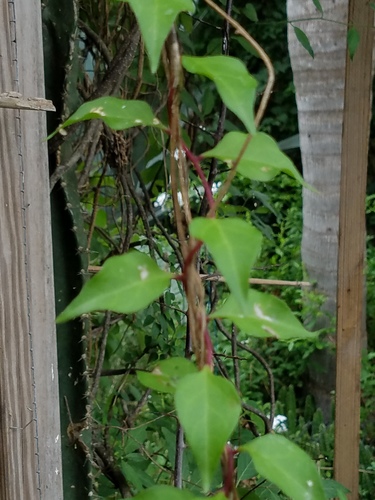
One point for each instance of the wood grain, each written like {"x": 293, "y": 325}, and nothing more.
{"x": 30, "y": 463}
{"x": 350, "y": 296}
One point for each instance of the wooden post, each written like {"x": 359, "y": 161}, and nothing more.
{"x": 30, "y": 463}
{"x": 357, "y": 107}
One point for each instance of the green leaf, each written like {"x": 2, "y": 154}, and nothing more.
{"x": 372, "y": 5}
{"x": 234, "y": 83}
{"x": 234, "y": 245}
{"x": 166, "y": 374}
{"x": 208, "y": 407}
{"x": 155, "y": 19}
{"x": 164, "y": 493}
{"x": 333, "y": 489}
{"x": 126, "y": 284}
{"x": 250, "y": 12}
{"x": 116, "y": 113}
{"x": 286, "y": 465}
{"x": 265, "y": 316}
{"x": 318, "y": 6}
{"x": 303, "y": 40}
{"x": 353, "y": 41}
{"x": 262, "y": 159}
{"x": 219, "y": 496}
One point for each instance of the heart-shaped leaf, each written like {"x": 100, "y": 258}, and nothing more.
{"x": 262, "y": 159}
{"x": 208, "y": 407}
{"x": 116, "y": 113}
{"x": 234, "y": 83}
{"x": 126, "y": 284}
{"x": 286, "y": 465}
{"x": 265, "y": 316}
{"x": 155, "y": 19}
{"x": 166, "y": 374}
{"x": 234, "y": 245}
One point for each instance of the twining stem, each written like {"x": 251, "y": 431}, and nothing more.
{"x": 262, "y": 54}
{"x": 263, "y": 104}
{"x": 195, "y": 160}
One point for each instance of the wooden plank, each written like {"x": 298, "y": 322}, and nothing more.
{"x": 30, "y": 463}
{"x": 350, "y": 295}
{"x": 15, "y": 100}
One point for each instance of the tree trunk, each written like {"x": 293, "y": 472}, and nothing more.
{"x": 319, "y": 84}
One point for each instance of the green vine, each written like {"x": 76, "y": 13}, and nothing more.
{"x": 207, "y": 405}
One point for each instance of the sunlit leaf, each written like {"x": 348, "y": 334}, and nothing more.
{"x": 164, "y": 493}
{"x": 353, "y": 41}
{"x": 318, "y": 6}
{"x": 286, "y": 465}
{"x": 303, "y": 40}
{"x": 262, "y": 159}
{"x": 116, "y": 113}
{"x": 234, "y": 245}
{"x": 234, "y": 83}
{"x": 208, "y": 407}
{"x": 126, "y": 284}
{"x": 155, "y": 19}
{"x": 265, "y": 316}
{"x": 166, "y": 374}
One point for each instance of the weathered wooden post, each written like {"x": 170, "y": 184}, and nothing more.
{"x": 30, "y": 463}
{"x": 356, "y": 126}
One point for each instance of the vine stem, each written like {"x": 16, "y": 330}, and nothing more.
{"x": 262, "y": 106}
{"x": 263, "y": 55}
{"x": 195, "y": 160}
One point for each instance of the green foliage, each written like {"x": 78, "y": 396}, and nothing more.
{"x": 166, "y": 374}
{"x": 303, "y": 40}
{"x": 155, "y": 21}
{"x": 318, "y": 6}
{"x": 353, "y": 41}
{"x": 287, "y": 466}
{"x": 233, "y": 82}
{"x": 263, "y": 316}
{"x": 146, "y": 337}
{"x": 208, "y": 407}
{"x": 116, "y": 113}
{"x": 261, "y": 161}
{"x": 235, "y": 246}
{"x": 126, "y": 284}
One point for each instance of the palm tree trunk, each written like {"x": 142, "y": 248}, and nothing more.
{"x": 319, "y": 84}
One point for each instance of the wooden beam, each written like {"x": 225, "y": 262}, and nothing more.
{"x": 350, "y": 296}
{"x": 15, "y": 100}
{"x": 30, "y": 462}
{"x": 218, "y": 277}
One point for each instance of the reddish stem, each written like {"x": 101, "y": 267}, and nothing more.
{"x": 195, "y": 160}
{"x": 228, "y": 470}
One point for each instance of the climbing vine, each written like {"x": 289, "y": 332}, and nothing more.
{"x": 208, "y": 406}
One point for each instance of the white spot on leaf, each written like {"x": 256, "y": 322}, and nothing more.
{"x": 143, "y": 272}
{"x": 98, "y": 111}
{"x": 258, "y": 311}
{"x": 269, "y": 330}
{"x": 138, "y": 122}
